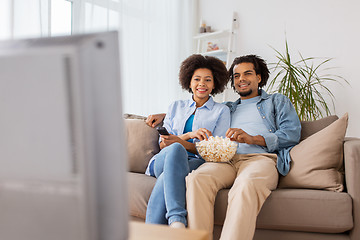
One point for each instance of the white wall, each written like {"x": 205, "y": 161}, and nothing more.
{"x": 316, "y": 28}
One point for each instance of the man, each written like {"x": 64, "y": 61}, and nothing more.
{"x": 266, "y": 128}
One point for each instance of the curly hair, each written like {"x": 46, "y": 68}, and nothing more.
{"x": 259, "y": 66}
{"x": 196, "y": 61}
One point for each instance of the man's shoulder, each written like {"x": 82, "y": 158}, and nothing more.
{"x": 228, "y": 103}
{"x": 277, "y": 97}
{"x": 231, "y": 105}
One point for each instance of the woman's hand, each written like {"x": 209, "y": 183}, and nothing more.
{"x": 155, "y": 119}
{"x": 167, "y": 140}
{"x": 201, "y": 134}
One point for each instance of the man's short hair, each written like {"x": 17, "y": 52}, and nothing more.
{"x": 259, "y": 66}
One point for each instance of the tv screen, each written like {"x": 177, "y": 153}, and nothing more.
{"x": 62, "y": 140}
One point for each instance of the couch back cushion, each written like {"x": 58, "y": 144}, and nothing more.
{"x": 142, "y": 143}
{"x": 308, "y": 128}
{"x": 317, "y": 161}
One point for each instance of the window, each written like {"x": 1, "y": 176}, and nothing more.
{"x": 155, "y": 36}
{"x": 34, "y": 18}
{"x": 61, "y": 19}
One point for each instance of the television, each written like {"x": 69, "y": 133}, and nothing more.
{"x": 62, "y": 140}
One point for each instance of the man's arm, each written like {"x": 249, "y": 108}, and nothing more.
{"x": 288, "y": 128}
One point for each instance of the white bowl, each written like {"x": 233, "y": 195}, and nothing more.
{"x": 219, "y": 150}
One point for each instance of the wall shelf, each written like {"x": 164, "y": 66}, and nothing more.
{"x": 223, "y": 39}
{"x": 211, "y": 35}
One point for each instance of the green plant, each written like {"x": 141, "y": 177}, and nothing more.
{"x": 304, "y": 84}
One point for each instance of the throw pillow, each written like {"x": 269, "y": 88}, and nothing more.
{"x": 308, "y": 128}
{"x": 317, "y": 161}
{"x": 142, "y": 144}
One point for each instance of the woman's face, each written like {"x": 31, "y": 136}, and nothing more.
{"x": 202, "y": 83}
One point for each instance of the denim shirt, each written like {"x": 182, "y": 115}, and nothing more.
{"x": 283, "y": 124}
{"x": 213, "y": 116}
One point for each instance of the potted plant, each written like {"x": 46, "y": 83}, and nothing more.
{"x": 304, "y": 82}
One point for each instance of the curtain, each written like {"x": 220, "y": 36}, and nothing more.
{"x": 155, "y": 37}
{"x": 24, "y": 18}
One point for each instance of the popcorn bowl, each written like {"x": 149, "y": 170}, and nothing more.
{"x": 216, "y": 149}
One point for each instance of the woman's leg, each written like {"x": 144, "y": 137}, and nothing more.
{"x": 175, "y": 169}
{"x": 167, "y": 200}
{"x": 156, "y": 210}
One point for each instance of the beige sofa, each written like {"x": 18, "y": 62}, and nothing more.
{"x": 296, "y": 214}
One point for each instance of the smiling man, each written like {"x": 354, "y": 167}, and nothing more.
{"x": 266, "y": 127}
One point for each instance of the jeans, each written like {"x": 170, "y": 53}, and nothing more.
{"x": 167, "y": 200}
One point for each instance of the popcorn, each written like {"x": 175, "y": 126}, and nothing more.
{"x": 216, "y": 149}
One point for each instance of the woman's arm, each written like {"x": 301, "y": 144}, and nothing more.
{"x": 167, "y": 140}
{"x": 155, "y": 119}
{"x": 201, "y": 134}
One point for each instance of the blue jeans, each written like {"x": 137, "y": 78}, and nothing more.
{"x": 167, "y": 200}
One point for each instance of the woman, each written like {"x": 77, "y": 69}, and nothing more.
{"x": 186, "y": 121}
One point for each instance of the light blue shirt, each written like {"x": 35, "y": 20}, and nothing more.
{"x": 282, "y": 123}
{"x": 213, "y": 116}
{"x": 247, "y": 118}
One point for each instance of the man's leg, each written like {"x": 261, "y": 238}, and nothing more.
{"x": 256, "y": 177}
{"x": 202, "y": 186}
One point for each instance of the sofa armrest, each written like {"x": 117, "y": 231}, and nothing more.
{"x": 352, "y": 178}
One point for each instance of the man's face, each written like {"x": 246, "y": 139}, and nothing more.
{"x": 246, "y": 81}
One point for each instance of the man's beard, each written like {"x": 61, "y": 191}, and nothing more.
{"x": 245, "y": 94}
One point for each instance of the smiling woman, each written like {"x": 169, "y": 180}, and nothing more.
{"x": 187, "y": 121}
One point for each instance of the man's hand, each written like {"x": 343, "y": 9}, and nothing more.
{"x": 201, "y": 134}
{"x": 238, "y": 135}
{"x": 155, "y": 119}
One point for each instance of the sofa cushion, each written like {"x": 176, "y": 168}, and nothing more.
{"x": 140, "y": 188}
{"x": 299, "y": 210}
{"x": 307, "y": 210}
{"x": 261, "y": 234}
{"x": 317, "y": 161}
{"x": 142, "y": 143}
{"x": 308, "y": 128}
